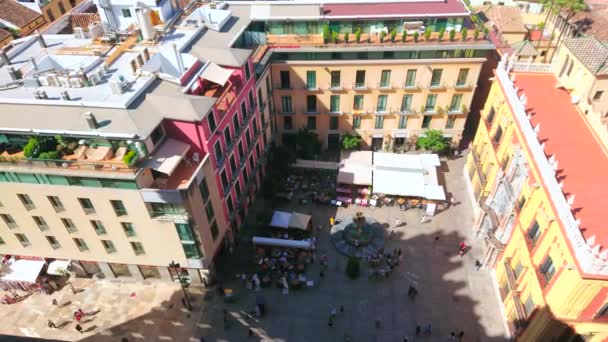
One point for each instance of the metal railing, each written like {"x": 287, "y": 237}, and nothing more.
{"x": 69, "y": 164}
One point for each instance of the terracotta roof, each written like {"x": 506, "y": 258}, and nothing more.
{"x": 394, "y": 9}
{"x": 524, "y": 49}
{"x": 4, "y": 34}
{"x": 591, "y": 52}
{"x": 17, "y": 14}
{"x": 582, "y": 160}
{"x": 83, "y": 20}
{"x": 505, "y": 19}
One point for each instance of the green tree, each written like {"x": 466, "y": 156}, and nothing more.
{"x": 548, "y": 5}
{"x": 463, "y": 33}
{"x": 307, "y": 144}
{"x": 427, "y": 33}
{"x": 279, "y": 160}
{"x": 351, "y": 142}
{"x": 441, "y": 33}
{"x": 571, "y": 8}
{"x": 433, "y": 140}
{"x": 326, "y": 33}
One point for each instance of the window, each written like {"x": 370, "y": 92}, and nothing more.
{"x": 204, "y": 188}
{"x": 49, "y": 14}
{"x": 86, "y": 205}
{"x": 381, "y": 105}
{"x": 227, "y": 137}
{"x": 598, "y": 95}
{"x": 519, "y": 268}
{"x": 385, "y": 79}
{"x": 410, "y": 79}
{"x": 285, "y": 82}
{"x": 379, "y": 122}
{"x": 82, "y": 246}
{"x": 137, "y": 247}
{"x": 214, "y": 230}
{"x": 286, "y": 104}
{"x": 334, "y": 103}
{"x": 360, "y": 79}
{"x": 287, "y": 122}
{"x": 126, "y": 12}
{"x": 53, "y": 242}
{"x": 224, "y": 180}
{"x": 237, "y": 189}
{"x": 455, "y": 104}
{"x": 247, "y": 71}
{"x": 333, "y": 122}
{"x": 426, "y": 121}
{"x": 335, "y": 79}
{"x": 529, "y": 305}
{"x": 127, "y": 227}
{"x": 463, "y": 74}
{"x": 240, "y": 148}
{"x": 311, "y": 104}
{"x": 402, "y": 121}
{"x": 358, "y": 102}
{"x": 251, "y": 101}
{"x": 311, "y": 79}
{"x": 534, "y": 232}
{"x": 490, "y": 116}
{"x": 436, "y": 77}
{"x": 255, "y": 126}
{"x": 211, "y": 122}
{"x": 98, "y": 226}
{"x": 119, "y": 207}
{"x": 356, "y": 122}
{"x": 268, "y": 89}
{"x": 229, "y": 204}
{"x": 406, "y": 103}
{"x": 449, "y": 123}
{"x": 429, "y": 106}
{"x": 251, "y": 163}
{"x": 311, "y": 123}
{"x": 248, "y": 138}
{"x": 69, "y": 225}
{"x": 26, "y": 201}
{"x": 218, "y": 151}
{"x": 497, "y": 135}
{"x": 570, "y": 68}
{"x": 235, "y": 122}
{"x": 55, "y": 202}
{"x": 232, "y": 164}
{"x": 23, "y": 240}
{"x": 8, "y": 219}
{"x": 40, "y": 222}
{"x": 547, "y": 269}
{"x": 520, "y": 203}
{"x": 244, "y": 110}
{"x": 157, "y": 134}
{"x": 108, "y": 246}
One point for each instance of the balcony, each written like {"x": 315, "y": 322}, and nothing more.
{"x": 511, "y": 278}
{"x": 360, "y": 86}
{"x": 520, "y": 311}
{"x": 385, "y": 86}
{"x": 437, "y": 87}
{"x": 411, "y": 87}
{"x": 336, "y": 87}
{"x": 225, "y": 93}
{"x": 464, "y": 87}
{"x": 478, "y": 167}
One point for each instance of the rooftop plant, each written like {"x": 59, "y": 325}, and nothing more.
{"x": 130, "y": 157}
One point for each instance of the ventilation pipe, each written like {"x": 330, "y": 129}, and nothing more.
{"x": 91, "y": 121}
{"x": 33, "y": 61}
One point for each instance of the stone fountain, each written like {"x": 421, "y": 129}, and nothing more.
{"x": 358, "y": 236}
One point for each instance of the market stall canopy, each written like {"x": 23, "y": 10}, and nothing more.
{"x": 399, "y": 182}
{"x": 22, "y": 271}
{"x": 216, "y": 74}
{"x": 282, "y": 219}
{"x": 257, "y": 240}
{"x": 58, "y": 267}
{"x": 434, "y": 192}
{"x": 355, "y": 168}
{"x": 168, "y": 156}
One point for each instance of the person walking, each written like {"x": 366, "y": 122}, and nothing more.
{"x": 55, "y": 302}
{"x": 78, "y": 328}
{"x": 452, "y": 336}
{"x": 418, "y": 330}
{"x": 460, "y": 335}
{"x": 452, "y": 201}
{"x": 478, "y": 264}
{"x": 435, "y": 241}
{"x": 51, "y": 324}
{"x": 397, "y": 222}
{"x": 331, "y": 221}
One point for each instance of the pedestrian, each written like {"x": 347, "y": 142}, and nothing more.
{"x": 405, "y": 339}
{"x": 333, "y": 313}
{"x": 322, "y": 273}
{"x": 330, "y": 322}
{"x": 55, "y": 302}
{"x": 428, "y": 329}
{"x": 452, "y": 201}
{"x": 452, "y": 336}
{"x": 202, "y": 339}
{"x": 78, "y": 328}
{"x": 341, "y": 308}
{"x": 399, "y": 252}
{"x": 460, "y": 335}
{"x": 409, "y": 291}
{"x": 51, "y": 324}
{"x": 378, "y": 323}
{"x": 436, "y": 240}
{"x": 331, "y": 221}
{"x": 397, "y": 222}
{"x": 478, "y": 264}
{"x": 418, "y": 330}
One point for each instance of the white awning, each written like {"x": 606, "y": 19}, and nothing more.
{"x": 434, "y": 192}
{"x": 299, "y": 221}
{"x": 216, "y": 74}
{"x": 378, "y": 135}
{"x": 58, "y": 267}
{"x": 355, "y": 168}
{"x": 168, "y": 156}
{"x": 22, "y": 270}
{"x": 280, "y": 219}
{"x": 399, "y": 182}
{"x": 304, "y": 244}
{"x": 400, "y": 135}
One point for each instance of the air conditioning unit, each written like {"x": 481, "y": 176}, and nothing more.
{"x": 76, "y": 82}
{"x": 116, "y": 87}
{"x": 94, "y": 79}
{"x": 53, "y": 80}
{"x": 64, "y": 82}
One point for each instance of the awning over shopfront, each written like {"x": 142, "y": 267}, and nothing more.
{"x": 434, "y": 192}
{"x": 168, "y": 156}
{"x": 355, "y": 168}
{"x": 304, "y": 244}
{"x": 21, "y": 270}
{"x": 216, "y": 74}
{"x": 282, "y": 219}
{"x": 58, "y": 267}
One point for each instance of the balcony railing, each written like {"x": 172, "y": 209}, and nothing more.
{"x": 169, "y": 215}
{"x": 463, "y": 86}
{"x": 511, "y": 278}
{"x": 411, "y": 87}
{"x": 69, "y": 164}
{"x": 477, "y": 162}
{"x": 360, "y": 86}
{"x": 385, "y": 86}
{"x": 336, "y": 87}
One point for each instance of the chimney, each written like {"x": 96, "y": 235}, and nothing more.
{"x": 4, "y": 57}
{"x": 91, "y": 121}
{"x": 40, "y": 40}
{"x": 180, "y": 61}
{"x": 14, "y": 74}
{"x": 33, "y": 60}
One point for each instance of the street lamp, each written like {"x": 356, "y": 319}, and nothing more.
{"x": 183, "y": 283}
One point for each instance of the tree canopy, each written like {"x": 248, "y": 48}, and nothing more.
{"x": 433, "y": 140}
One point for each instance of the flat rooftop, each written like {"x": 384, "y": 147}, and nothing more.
{"x": 582, "y": 160}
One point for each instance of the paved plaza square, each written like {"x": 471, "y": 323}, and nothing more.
{"x": 453, "y": 296}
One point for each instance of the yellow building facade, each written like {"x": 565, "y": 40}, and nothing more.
{"x": 549, "y": 265}
{"x": 388, "y": 103}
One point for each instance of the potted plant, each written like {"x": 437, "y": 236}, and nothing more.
{"x": 416, "y": 35}
{"x": 382, "y": 35}
{"x": 441, "y": 33}
{"x": 393, "y": 35}
{"x": 334, "y": 37}
{"x": 464, "y": 109}
{"x": 422, "y": 108}
{"x": 358, "y": 35}
{"x": 438, "y": 110}
{"x": 130, "y": 157}
{"x": 346, "y": 36}
{"x": 463, "y": 33}
{"x": 476, "y": 34}
{"x": 326, "y": 33}
{"x": 452, "y": 35}
{"x": 485, "y": 32}
{"x": 427, "y": 34}
{"x": 404, "y": 36}
{"x": 32, "y": 148}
